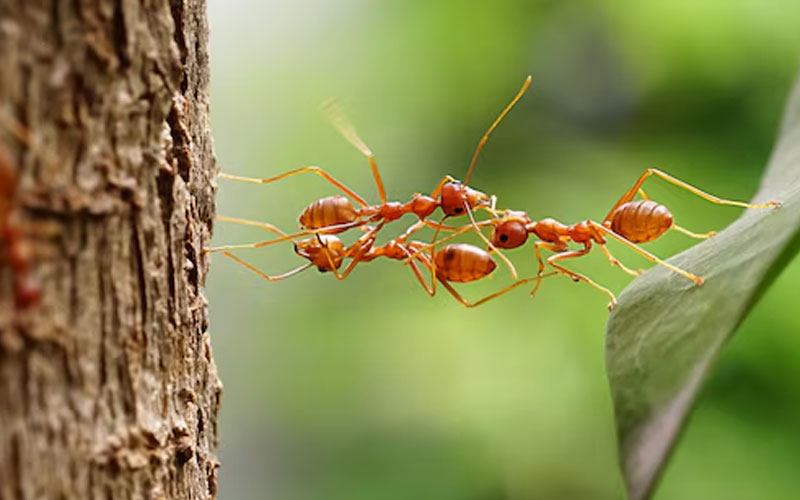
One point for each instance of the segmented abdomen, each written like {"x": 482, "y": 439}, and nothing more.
{"x": 462, "y": 263}
{"x": 330, "y": 211}
{"x": 641, "y": 221}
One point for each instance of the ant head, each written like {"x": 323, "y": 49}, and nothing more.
{"x": 317, "y": 250}
{"x": 510, "y": 231}
{"x": 455, "y": 195}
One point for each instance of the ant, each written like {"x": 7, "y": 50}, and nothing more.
{"x": 628, "y": 222}
{"x": 13, "y": 250}
{"x": 458, "y": 263}
{"x": 335, "y": 214}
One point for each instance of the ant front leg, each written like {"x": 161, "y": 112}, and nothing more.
{"x": 312, "y": 169}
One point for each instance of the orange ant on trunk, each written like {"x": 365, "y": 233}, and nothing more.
{"x": 335, "y": 214}
{"x": 628, "y": 222}
{"x": 13, "y": 250}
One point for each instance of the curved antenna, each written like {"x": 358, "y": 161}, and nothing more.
{"x": 339, "y": 120}
{"x": 525, "y": 85}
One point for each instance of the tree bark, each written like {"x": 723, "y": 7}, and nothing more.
{"x": 107, "y": 384}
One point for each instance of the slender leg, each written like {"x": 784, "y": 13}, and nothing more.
{"x": 494, "y": 125}
{"x": 644, "y": 253}
{"x": 254, "y": 223}
{"x": 260, "y": 244}
{"x": 430, "y": 290}
{"x": 361, "y": 247}
{"x": 491, "y": 246}
{"x": 628, "y": 196}
{"x": 614, "y": 262}
{"x": 489, "y": 297}
{"x": 313, "y": 169}
{"x": 579, "y": 277}
{"x": 262, "y": 274}
{"x": 699, "y": 236}
{"x": 536, "y": 250}
{"x": 339, "y": 120}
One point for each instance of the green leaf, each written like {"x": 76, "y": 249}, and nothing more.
{"x": 665, "y": 334}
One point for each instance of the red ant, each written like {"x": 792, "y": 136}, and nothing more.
{"x": 458, "y": 263}
{"x": 629, "y": 222}
{"x": 335, "y": 214}
{"x": 13, "y": 250}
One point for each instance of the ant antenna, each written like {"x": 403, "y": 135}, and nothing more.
{"x": 339, "y": 120}
{"x": 485, "y": 137}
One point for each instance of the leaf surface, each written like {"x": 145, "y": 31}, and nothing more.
{"x": 665, "y": 333}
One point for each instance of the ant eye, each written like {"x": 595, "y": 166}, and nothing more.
{"x": 504, "y": 237}
{"x": 459, "y": 210}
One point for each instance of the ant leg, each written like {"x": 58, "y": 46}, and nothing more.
{"x": 699, "y": 236}
{"x": 339, "y": 120}
{"x": 254, "y": 223}
{"x": 430, "y": 290}
{"x": 628, "y": 196}
{"x": 363, "y": 244}
{"x": 579, "y": 277}
{"x": 260, "y": 244}
{"x": 615, "y": 262}
{"x": 538, "y": 253}
{"x": 494, "y": 125}
{"x": 644, "y": 253}
{"x": 313, "y": 169}
{"x": 489, "y": 297}
{"x": 492, "y": 248}
{"x": 262, "y": 274}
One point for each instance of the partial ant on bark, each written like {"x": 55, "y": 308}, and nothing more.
{"x": 335, "y": 214}
{"x": 628, "y": 222}
{"x": 13, "y": 250}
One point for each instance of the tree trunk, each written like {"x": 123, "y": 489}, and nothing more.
{"x": 107, "y": 384}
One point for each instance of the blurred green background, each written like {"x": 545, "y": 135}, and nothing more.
{"x": 368, "y": 388}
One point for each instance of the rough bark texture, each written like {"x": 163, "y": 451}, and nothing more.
{"x": 107, "y": 385}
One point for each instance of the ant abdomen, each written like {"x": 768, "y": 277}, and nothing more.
{"x": 462, "y": 263}
{"x": 329, "y": 211}
{"x": 641, "y": 221}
